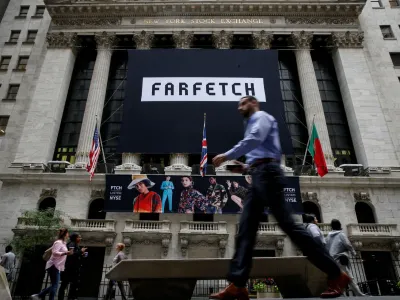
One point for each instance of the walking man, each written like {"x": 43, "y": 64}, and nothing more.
{"x": 8, "y": 263}
{"x": 262, "y": 148}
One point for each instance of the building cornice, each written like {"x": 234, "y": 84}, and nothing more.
{"x": 305, "y": 181}
{"x": 65, "y": 9}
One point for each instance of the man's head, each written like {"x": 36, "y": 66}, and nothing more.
{"x": 212, "y": 180}
{"x": 8, "y": 248}
{"x": 310, "y": 218}
{"x": 248, "y": 105}
{"x": 75, "y": 237}
{"x": 336, "y": 225}
{"x": 168, "y": 178}
{"x": 141, "y": 187}
{"x": 235, "y": 184}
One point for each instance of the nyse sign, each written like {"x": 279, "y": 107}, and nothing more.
{"x": 205, "y": 21}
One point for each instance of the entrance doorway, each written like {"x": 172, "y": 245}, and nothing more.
{"x": 380, "y": 272}
{"x": 92, "y": 271}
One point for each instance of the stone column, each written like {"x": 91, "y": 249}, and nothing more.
{"x": 131, "y": 161}
{"x": 369, "y": 131}
{"x": 310, "y": 93}
{"x": 179, "y": 162}
{"x": 222, "y": 39}
{"x": 96, "y": 97}
{"x": 39, "y": 136}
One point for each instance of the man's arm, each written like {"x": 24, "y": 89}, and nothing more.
{"x": 258, "y": 133}
{"x": 3, "y": 260}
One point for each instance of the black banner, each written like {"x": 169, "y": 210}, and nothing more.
{"x": 169, "y": 90}
{"x": 186, "y": 194}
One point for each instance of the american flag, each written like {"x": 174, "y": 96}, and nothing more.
{"x": 203, "y": 161}
{"x": 94, "y": 153}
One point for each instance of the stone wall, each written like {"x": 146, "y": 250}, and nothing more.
{"x": 336, "y": 201}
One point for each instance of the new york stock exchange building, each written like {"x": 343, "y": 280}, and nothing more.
{"x": 143, "y": 74}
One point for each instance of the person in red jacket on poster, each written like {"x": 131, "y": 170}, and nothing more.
{"x": 147, "y": 201}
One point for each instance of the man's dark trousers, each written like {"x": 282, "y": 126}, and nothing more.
{"x": 268, "y": 182}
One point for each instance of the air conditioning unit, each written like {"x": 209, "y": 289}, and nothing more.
{"x": 352, "y": 169}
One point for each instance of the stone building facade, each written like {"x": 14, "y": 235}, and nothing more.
{"x": 63, "y": 62}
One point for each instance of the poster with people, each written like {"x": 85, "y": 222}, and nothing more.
{"x": 186, "y": 194}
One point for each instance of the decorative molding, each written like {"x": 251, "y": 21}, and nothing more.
{"x": 362, "y": 196}
{"x": 48, "y": 193}
{"x": 184, "y": 246}
{"x": 322, "y": 21}
{"x": 279, "y": 245}
{"x": 143, "y": 39}
{"x": 358, "y": 245}
{"x": 222, "y": 39}
{"x": 347, "y": 39}
{"x": 131, "y": 8}
{"x": 96, "y": 194}
{"x": 302, "y": 39}
{"x": 263, "y": 39}
{"x": 309, "y": 196}
{"x": 183, "y": 39}
{"x": 105, "y": 41}
{"x": 62, "y": 40}
{"x": 147, "y": 238}
{"x": 86, "y": 22}
{"x": 222, "y": 247}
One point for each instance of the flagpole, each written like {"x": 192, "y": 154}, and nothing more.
{"x": 308, "y": 142}
{"x": 101, "y": 147}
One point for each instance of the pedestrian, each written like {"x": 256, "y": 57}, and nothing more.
{"x": 55, "y": 264}
{"x": 311, "y": 222}
{"x": 8, "y": 263}
{"x": 262, "y": 148}
{"x": 71, "y": 274}
{"x": 339, "y": 247}
{"x": 119, "y": 257}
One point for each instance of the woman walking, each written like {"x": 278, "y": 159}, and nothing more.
{"x": 55, "y": 264}
{"x": 120, "y": 256}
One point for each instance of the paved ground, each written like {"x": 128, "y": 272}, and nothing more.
{"x": 347, "y": 298}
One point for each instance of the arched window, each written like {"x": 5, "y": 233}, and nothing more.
{"x": 47, "y": 203}
{"x": 312, "y": 208}
{"x": 365, "y": 213}
{"x": 96, "y": 210}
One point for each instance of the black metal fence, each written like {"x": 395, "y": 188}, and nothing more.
{"x": 378, "y": 286}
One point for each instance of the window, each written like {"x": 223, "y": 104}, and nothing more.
{"x": 12, "y": 92}
{"x": 376, "y": 4}
{"x": 23, "y": 12}
{"x": 3, "y": 124}
{"x": 22, "y": 62}
{"x": 14, "y": 36}
{"x": 395, "y": 56}
{"x": 335, "y": 115}
{"x": 74, "y": 109}
{"x": 30, "y": 38}
{"x": 5, "y": 62}
{"x": 39, "y": 11}
{"x": 394, "y": 3}
{"x": 387, "y": 32}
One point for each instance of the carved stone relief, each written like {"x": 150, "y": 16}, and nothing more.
{"x": 183, "y": 39}
{"x": 95, "y": 194}
{"x": 87, "y": 22}
{"x": 321, "y": 21}
{"x": 347, "y": 39}
{"x": 62, "y": 40}
{"x": 105, "y": 40}
{"x": 48, "y": 193}
{"x": 143, "y": 39}
{"x": 302, "y": 39}
{"x": 222, "y": 39}
{"x": 309, "y": 196}
{"x": 362, "y": 196}
{"x": 263, "y": 39}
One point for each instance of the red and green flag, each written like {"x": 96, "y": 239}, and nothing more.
{"x": 315, "y": 149}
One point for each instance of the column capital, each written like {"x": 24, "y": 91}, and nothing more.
{"x": 62, "y": 40}
{"x": 263, "y": 39}
{"x": 302, "y": 39}
{"x": 143, "y": 39}
{"x": 222, "y": 39}
{"x": 347, "y": 39}
{"x": 105, "y": 40}
{"x": 183, "y": 39}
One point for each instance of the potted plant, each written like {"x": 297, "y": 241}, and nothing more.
{"x": 261, "y": 289}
